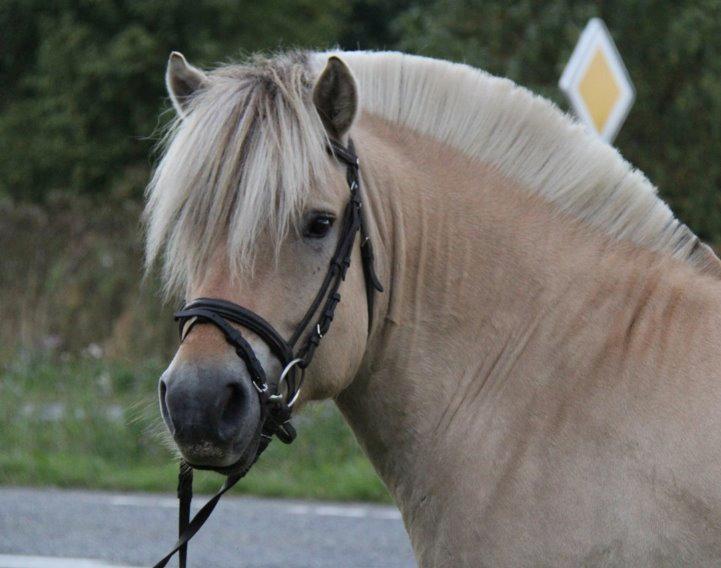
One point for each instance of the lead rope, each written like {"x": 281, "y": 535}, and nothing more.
{"x": 276, "y": 412}
{"x": 185, "y": 497}
{"x": 188, "y": 528}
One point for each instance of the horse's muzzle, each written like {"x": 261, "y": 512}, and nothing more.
{"x": 212, "y": 411}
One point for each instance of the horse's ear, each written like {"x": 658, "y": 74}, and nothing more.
{"x": 182, "y": 80}
{"x": 336, "y": 98}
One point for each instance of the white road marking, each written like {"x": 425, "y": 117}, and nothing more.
{"x": 22, "y": 561}
{"x": 343, "y": 511}
{"x": 320, "y": 510}
{"x": 140, "y": 501}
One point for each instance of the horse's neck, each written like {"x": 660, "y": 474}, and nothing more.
{"x": 487, "y": 300}
{"x": 473, "y": 266}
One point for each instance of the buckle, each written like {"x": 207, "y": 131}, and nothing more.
{"x": 286, "y": 432}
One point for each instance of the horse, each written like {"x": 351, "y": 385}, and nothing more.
{"x": 539, "y": 382}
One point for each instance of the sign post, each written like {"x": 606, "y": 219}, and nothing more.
{"x": 597, "y": 83}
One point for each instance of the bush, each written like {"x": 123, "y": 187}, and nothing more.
{"x": 83, "y": 81}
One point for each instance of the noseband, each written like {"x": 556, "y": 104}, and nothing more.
{"x": 278, "y": 397}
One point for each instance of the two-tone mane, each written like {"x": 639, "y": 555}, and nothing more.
{"x": 251, "y": 145}
{"x": 537, "y": 384}
{"x": 241, "y": 158}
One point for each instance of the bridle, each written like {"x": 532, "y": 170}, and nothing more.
{"x": 276, "y": 402}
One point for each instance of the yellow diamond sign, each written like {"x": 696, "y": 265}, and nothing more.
{"x": 596, "y": 82}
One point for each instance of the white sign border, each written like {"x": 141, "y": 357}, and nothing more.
{"x": 596, "y": 36}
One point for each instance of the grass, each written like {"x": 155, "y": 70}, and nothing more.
{"x": 84, "y": 422}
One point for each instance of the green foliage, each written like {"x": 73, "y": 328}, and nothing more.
{"x": 83, "y": 80}
{"x": 83, "y": 89}
{"x": 70, "y": 277}
{"x": 369, "y": 24}
{"x": 84, "y": 422}
{"x": 673, "y": 54}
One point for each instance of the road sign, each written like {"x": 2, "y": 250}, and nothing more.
{"x": 597, "y": 83}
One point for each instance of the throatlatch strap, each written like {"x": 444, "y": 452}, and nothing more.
{"x": 373, "y": 284}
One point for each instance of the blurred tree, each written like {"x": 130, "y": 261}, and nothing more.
{"x": 82, "y": 80}
{"x": 370, "y": 24}
{"x": 673, "y": 53}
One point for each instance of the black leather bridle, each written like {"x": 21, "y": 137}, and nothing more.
{"x": 276, "y": 405}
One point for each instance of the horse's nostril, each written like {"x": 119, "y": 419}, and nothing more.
{"x": 232, "y": 412}
{"x": 211, "y": 411}
{"x": 163, "y": 389}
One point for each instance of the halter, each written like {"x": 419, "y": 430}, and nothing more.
{"x": 276, "y": 402}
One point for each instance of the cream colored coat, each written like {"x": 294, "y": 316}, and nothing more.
{"x": 537, "y": 395}
{"x": 542, "y": 382}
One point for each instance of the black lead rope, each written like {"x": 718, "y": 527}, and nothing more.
{"x": 276, "y": 407}
{"x": 185, "y": 497}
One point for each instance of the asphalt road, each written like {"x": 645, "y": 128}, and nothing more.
{"x": 88, "y": 529}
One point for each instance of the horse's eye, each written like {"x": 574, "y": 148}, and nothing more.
{"x": 318, "y": 226}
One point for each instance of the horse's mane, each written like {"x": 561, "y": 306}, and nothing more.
{"x": 527, "y": 138}
{"x": 241, "y": 161}
{"x": 257, "y": 119}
